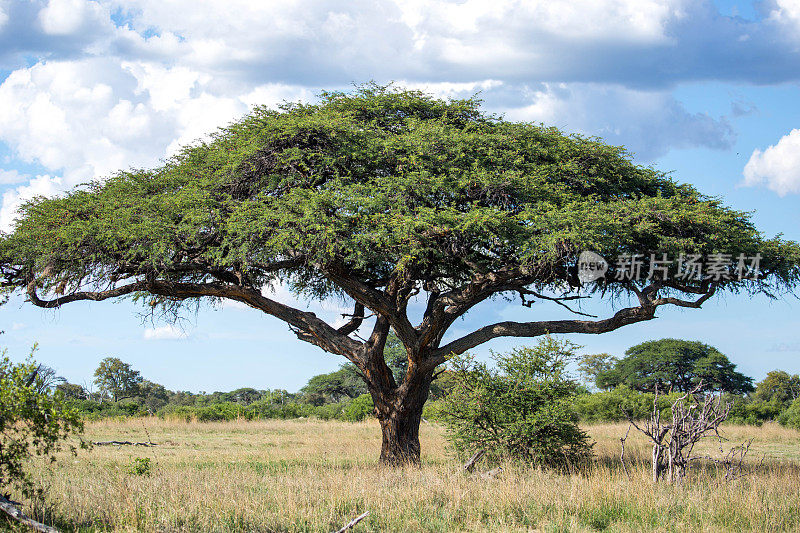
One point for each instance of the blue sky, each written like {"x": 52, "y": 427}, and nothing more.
{"x": 707, "y": 90}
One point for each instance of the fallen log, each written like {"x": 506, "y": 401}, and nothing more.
{"x": 123, "y": 443}
{"x": 12, "y": 511}
{"x": 353, "y": 522}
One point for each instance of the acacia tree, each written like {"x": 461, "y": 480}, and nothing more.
{"x": 381, "y": 196}
{"x": 674, "y": 364}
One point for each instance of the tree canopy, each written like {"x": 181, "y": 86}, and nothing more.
{"x": 673, "y": 364}
{"x": 117, "y": 379}
{"x": 376, "y": 197}
{"x": 778, "y": 386}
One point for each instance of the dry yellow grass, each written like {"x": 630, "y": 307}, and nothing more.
{"x": 310, "y": 475}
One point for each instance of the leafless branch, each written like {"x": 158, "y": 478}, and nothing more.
{"x": 353, "y": 522}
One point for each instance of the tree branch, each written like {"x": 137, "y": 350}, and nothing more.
{"x": 305, "y": 324}
{"x": 623, "y": 317}
{"x": 630, "y": 315}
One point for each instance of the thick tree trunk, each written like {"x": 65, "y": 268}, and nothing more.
{"x": 399, "y": 412}
{"x": 400, "y": 444}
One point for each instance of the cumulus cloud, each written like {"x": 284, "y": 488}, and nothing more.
{"x": 777, "y": 167}
{"x": 65, "y": 17}
{"x": 168, "y": 332}
{"x": 87, "y": 119}
{"x": 100, "y": 96}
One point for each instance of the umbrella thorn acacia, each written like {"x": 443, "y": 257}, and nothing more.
{"x": 380, "y": 196}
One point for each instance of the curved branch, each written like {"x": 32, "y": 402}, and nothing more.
{"x": 305, "y": 324}
{"x": 623, "y": 317}
{"x": 355, "y": 321}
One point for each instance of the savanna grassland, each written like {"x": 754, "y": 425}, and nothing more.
{"x": 311, "y": 475}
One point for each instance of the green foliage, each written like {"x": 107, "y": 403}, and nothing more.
{"x": 620, "y": 403}
{"x": 71, "y": 391}
{"x": 333, "y": 387}
{"x": 34, "y": 420}
{"x": 140, "y": 466}
{"x": 117, "y": 379}
{"x": 522, "y": 409}
{"x": 779, "y": 387}
{"x": 359, "y": 409}
{"x": 791, "y": 416}
{"x": 745, "y": 410}
{"x": 677, "y": 365}
{"x": 378, "y": 180}
{"x": 591, "y": 366}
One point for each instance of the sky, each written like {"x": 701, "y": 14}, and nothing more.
{"x": 706, "y": 90}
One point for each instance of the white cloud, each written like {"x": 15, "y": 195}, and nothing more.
{"x": 168, "y": 332}
{"x": 13, "y": 199}
{"x": 778, "y": 167}
{"x": 16, "y": 326}
{"x": 787, "y": 12}
{"x": 65, "y": 17}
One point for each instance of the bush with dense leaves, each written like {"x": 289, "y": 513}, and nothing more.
{"x": 359, "y": 409}
{"x": 34, "y": 420}
{"x": 521, "y": 410}
{"x": 791, "y": 416}
{"x": 619, "y": 404}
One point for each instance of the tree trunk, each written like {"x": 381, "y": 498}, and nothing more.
{"x": 399, "y": 412}
{"x": 400, "y": 444}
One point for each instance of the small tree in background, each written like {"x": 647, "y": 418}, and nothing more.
{"x": 521, "y": 409}
{"x": 34, "y": 420}
{"x": 117, "y": 379}
{"x": 592, "y": 365}
{"x": 778, "y": 387}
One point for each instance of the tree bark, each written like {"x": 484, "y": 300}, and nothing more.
{"x": 399, "y": 411}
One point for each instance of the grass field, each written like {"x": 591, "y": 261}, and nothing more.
{"x": 310, "y": 475}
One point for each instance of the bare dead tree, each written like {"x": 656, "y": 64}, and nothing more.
{"x": 694, "y": 416}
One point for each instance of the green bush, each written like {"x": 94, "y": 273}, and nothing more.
{"x": 359, "y": 409}
{"x": 331, "y": 411}
{"x": 522, "y": 409}
{"x": 791, "y": 416}
{"x": 753, "y": 412}
{"x": 619, "y": 403}
{"x": 433, "y": 410}
{"x": 140, "y": 466}
{"x": 34, "y": 420}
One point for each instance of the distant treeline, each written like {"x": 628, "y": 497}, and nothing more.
{"x": 626, "y": 388}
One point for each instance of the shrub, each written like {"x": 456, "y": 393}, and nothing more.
{"x": 619, "y": 403}
{"x": 140, "y": 466}
{"x": 331, "y": 411}
{"x": 34, "y": 420}
{"x": 753, "y": 412}
{"x": 359, "y": 409}
{"x": 522, "y": 409}
{"x": 791, "y": 416}
{"x": 433, "y": 410}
